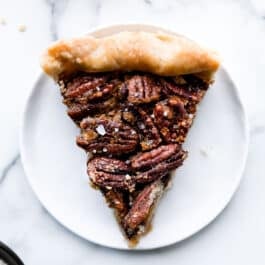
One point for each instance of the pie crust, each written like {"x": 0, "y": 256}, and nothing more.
{"x": 157, "y": 53}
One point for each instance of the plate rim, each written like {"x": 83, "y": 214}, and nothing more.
{"x": 26, "y": 164}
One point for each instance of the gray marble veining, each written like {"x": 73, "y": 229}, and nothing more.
{"x": 8, "y": 167}
{"x": 56, "y": 8}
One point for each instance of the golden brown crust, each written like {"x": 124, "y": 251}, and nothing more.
{"x": 158, "y": 53}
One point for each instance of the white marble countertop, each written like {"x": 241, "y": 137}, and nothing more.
{"x": 235, "y": 28}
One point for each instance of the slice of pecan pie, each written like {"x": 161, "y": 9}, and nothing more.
{"x": 134, "y": 97}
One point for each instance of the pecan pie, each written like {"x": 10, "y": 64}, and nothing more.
{"x": 134, "y": 97}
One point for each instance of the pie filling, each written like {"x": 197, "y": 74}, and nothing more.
{"x": 133, "y": 124}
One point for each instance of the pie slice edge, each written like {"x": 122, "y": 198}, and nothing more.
{"x": 134, "y": 96}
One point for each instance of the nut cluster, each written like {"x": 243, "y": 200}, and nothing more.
{"x": 134, "y": 125}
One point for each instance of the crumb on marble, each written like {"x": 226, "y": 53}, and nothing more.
{"x": 22, "y": 28}
{"x": 2, "y": 21}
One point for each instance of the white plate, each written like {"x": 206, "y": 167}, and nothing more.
{"x": 203, "y": 186}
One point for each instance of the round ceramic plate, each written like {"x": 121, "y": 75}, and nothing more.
{"x": 202, "y": 187}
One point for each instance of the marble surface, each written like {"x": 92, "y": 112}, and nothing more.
{"x": 235, "y": 28}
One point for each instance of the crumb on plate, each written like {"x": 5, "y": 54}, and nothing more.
{"x": 206, "y": 151}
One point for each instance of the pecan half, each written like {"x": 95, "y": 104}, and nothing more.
{"x": 106, "y": 136}
{"x": 148, "y": 133}
{"x": 89, "y": 94}
{"x": 172, "y": 119}
{"x": 78, "y": 111}
{"x": 86, "y": 88}
{"x": 157, "y": 163}
{"x": 110, "y": 173}
{"x": 140, "y": 213}
{"x": 142, "y": 88}
{"x": 154, "y": 157}
{"x": 189, "y": 87}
